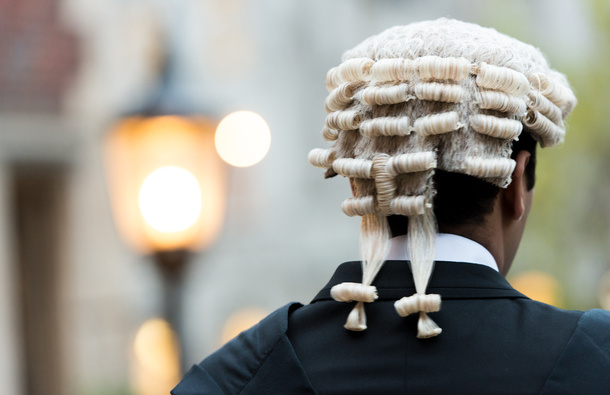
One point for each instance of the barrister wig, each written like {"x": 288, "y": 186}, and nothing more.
{"x": 432, "y": 95}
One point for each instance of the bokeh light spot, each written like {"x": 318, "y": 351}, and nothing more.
{"x": 157, "y": 366}
{"x": 539, "y": 286}
{"x": 243, "y": 138}
{"x": 240, "y": 321}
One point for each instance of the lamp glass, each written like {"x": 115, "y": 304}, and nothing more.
{"x": 166, "y": 181}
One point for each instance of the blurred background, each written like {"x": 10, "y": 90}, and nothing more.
{"x": 96, "y": 298}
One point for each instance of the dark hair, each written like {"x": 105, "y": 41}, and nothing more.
{"x": 461, "y": 199}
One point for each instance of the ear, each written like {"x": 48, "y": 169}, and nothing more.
{"x": 514, "y": 196}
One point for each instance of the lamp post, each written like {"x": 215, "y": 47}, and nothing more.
{"x": 167, "y": 185}
{"x": 167, "y": 181}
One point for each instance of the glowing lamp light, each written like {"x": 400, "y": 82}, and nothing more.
{"x": 167, "y": 183}
{"x": 243, "y": 138}
{"x": 170, "y": 199}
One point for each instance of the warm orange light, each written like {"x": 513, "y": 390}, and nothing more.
{"x": 166, "y": 181}
{"x": 156, "y": 367}
{"x": 539, "y": 286}
{"x": 243, "y": 138}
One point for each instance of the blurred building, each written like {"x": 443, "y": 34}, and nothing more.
{"x": 72, "y": 294}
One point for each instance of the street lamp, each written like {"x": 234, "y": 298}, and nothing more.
{"x": 167, "y": 181}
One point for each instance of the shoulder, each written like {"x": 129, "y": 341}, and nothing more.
{"x": 596, "y": 324}
{"x": 234, "y": 366}
{"x": 229, "y": 369}
{"x": 584, "y": 364}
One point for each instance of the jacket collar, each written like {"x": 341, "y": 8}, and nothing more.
{"x": 452, "y": 280}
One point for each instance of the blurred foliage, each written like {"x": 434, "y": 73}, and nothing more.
{"x": 567, "y": 234}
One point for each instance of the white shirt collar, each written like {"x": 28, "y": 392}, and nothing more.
{"x": 449, "y": 248}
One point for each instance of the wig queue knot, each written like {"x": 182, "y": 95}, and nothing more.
{"x": 423, "y": 304}
{"x": 355, "y": 292}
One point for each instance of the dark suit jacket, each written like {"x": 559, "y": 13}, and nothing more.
{"x": 494, "y": 341}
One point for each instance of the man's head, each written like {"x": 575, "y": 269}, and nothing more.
{"x": 464, "y": 205}
{"x": 428, "y": 122}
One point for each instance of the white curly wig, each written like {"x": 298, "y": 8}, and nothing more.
{"x": 440, "y": 94}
